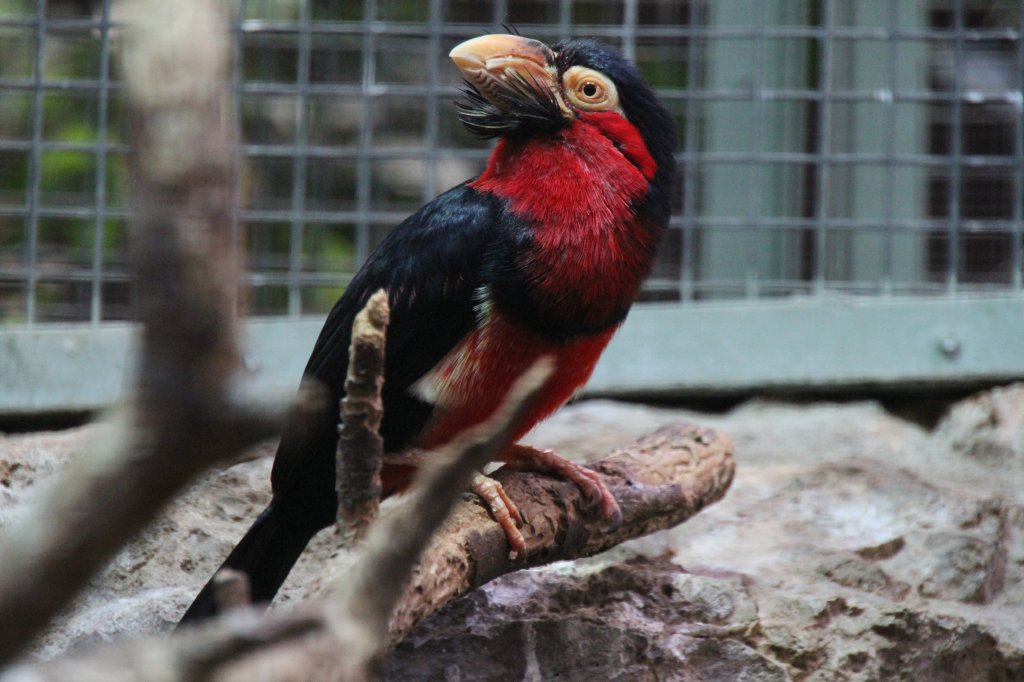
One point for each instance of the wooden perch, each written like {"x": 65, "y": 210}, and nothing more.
{"x": 660, "y": 481}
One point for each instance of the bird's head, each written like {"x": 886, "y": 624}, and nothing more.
{"x": 520, "y": 87}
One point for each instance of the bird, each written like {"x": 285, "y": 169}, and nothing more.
{"x": 542, "y": 254}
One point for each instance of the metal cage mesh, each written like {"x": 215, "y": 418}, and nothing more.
{"x": 828, "y": 146}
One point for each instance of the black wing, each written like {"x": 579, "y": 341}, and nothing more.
{"x": 431, "y": 266}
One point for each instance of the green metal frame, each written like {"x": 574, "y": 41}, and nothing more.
{"x": 706, "y": 350}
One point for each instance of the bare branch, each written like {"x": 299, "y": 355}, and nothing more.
{"x": 186, "y": 413}
{"x": 360, "y": 447}
{"x": 231, "y": 590}
{"x": 189, "y": 655}
{"x": 660, "y": 481}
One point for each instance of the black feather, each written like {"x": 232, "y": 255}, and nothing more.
{"x": 432, "y": 266}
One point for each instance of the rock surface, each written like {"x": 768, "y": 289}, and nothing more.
{"x": 853, "y": 546}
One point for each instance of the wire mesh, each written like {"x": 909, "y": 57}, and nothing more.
{"x": 826, "y": 146}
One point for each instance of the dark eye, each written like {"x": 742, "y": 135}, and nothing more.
{"x": 589, "y": 90}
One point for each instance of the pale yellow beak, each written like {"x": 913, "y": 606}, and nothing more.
{"x": 489, "y": 63}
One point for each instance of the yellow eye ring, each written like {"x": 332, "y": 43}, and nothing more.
{"x": 589, "y": 90}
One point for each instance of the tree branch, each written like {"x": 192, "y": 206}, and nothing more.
{"x": 360, "y": 447}
{"x": 186, "y": 412}
{"x": 660, "y": 481}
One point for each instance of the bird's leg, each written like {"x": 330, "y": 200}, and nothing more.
{"x": 527, "y": 458}
{"x": 501, "y": 507}
{"x": 503, "y": 510}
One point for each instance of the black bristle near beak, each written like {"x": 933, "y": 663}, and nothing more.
{"x": 523, "y": 106}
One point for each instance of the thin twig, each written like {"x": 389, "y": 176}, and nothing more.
{"x": 231, "y": 590}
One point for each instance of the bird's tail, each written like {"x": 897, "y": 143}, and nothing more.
{"x": 266, "y": 554}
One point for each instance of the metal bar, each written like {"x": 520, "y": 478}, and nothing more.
{"x": 253, "y": 278}
{"x": 824, "y": 143}
{"x": 268, "y": 278}
{"x": 96, "y": 302}
{"x": 83, "y": 275}
{"x": 564, "y": 20}
{"x": 1018, "y": 148}
{"x": 976, "y": 161}
{"x": 598, "y": 30}
{"x": 789, "y": 285}
{"x": 776, "y": 94}
{"x": 87, "y": 212}
{"x": 342, "y": 89}
{"x": 433, "y": 106}
{"x": 867, "y": 224}
{"x": 870, "y": 336}
{"x": 57, "y": 23}
{"x": 1006, "y": 162}
{"x": 65, "y": 84}
{"x": 691, "y": 144}
{"x": 238, "y": 163}
{"x": 498, "y": 16}
{"x": 35, "y": 168}
{"x": 753, "y": 245}
{"x": 301, "y": 121}
{"x": 368, "y": 89}
{"x": 678, "y": 221}
{"x": 470, "y": 29}
{"x": 629, "y": 21}
{"x": 888, "y": 202}
{"x": 838, "y": 158}
{"x": 956, "y": 139}
{"x": 58, "y": 146}
{"x": 779, "y": 94}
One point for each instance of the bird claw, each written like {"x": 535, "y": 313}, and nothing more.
{"x": 590, "y": 483}
{"x": 525, "y": 458}
{"x": 503, "y": 510}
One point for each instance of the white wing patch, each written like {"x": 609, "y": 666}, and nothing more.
{"x": 446, "y": 383}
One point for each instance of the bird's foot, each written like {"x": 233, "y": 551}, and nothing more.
{"x": 503, "y": 510}
{"x": 591, "y": 483}
{"x": 498, "y": 503}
